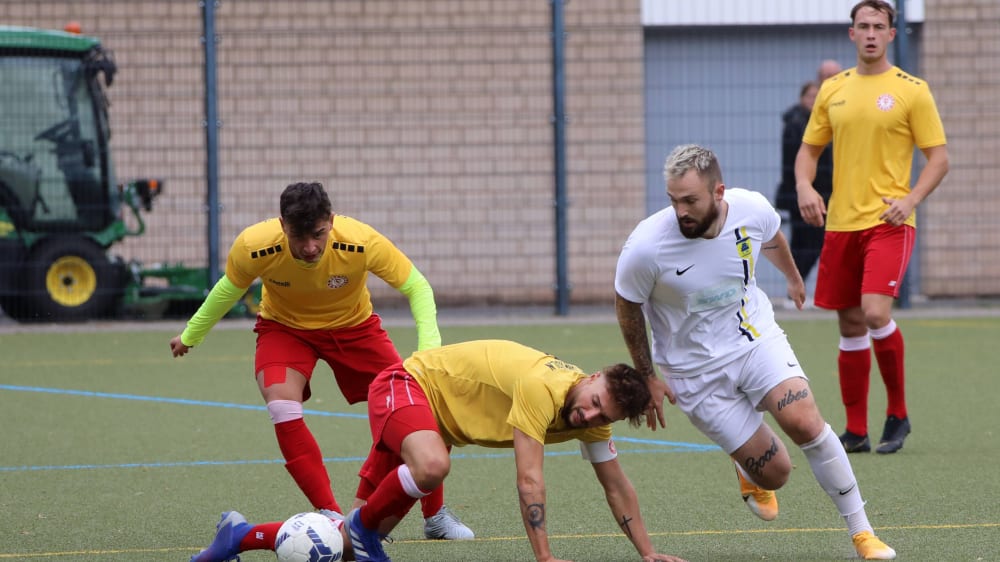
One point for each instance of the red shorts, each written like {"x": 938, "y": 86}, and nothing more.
{"x": 871, "y": 261}
{"x": 397, "y": 407}
{"x": 356, "y": 354}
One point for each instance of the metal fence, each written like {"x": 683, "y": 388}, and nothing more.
{"x": 433, "y": 121}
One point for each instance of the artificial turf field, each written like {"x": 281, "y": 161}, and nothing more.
{"x": 114, "y": 450}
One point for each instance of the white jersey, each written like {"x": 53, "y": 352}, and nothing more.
{"x": 700, "y": 296}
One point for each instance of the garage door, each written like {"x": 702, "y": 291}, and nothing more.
{"x": 726, "y": 88}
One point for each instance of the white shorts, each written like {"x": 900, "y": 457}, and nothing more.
{"x": 724, "y": 403}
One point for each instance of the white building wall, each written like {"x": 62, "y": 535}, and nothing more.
{"x": 757, "y": 12}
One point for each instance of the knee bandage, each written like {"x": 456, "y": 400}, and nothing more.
{"x": 284, "y": 410}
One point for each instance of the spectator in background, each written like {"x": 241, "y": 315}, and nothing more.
{"x": 806, "y": 240}
{"x": 874, "y": 114}
{"x": 827, "y": 68}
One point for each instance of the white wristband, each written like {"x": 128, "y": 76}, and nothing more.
{"x": 598, "y": 452}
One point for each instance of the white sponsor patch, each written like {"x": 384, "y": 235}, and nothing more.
{"x": 723, "y": 294}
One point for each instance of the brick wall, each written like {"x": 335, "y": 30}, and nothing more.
{"x": 429, "y": 120}
{"x": 958, "y": 232}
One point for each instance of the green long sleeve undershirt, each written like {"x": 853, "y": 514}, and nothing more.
{"x": 220, "y": 299}
{"x": 418, "y": 291}
{"x": 225, "y": 294}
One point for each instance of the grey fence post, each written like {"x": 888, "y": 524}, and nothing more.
{"x": 562, "y": 286}
{"x": 211, "y": 124}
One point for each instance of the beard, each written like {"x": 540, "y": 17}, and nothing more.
{"x": 567, "y": 415}
{"x": 691, "y": 228}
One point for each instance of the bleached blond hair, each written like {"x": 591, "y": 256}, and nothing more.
{"x": 687, "y": 157}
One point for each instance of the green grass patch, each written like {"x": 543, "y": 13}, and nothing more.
{"x": 114, "y": 450}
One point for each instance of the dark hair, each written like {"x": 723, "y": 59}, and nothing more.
{"x": 877, "y": 5}
{"x": 629, "y": 391}
{"x": 302, "y": 205}
{"x": 805, "y": 87}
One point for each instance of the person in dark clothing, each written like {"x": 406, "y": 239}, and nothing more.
{"x": 806, "y": 240}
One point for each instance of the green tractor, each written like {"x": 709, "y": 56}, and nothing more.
{"x": 61, "y": 207}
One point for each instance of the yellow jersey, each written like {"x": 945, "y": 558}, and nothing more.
{"x": 481, "y": 390}
{"x": 328, "y": 294}
{"x": 874, "y": 122}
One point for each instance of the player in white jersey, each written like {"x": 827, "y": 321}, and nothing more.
{"x": 713, "y": 310}
{"x": 689, "y": 270}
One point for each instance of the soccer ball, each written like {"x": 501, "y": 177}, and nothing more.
{"x": 309, "y": 537}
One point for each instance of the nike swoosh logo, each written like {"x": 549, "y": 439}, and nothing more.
{"x": 683, "y": 271}
{"x": 790, "y": 364}
{"x": 847, "y": 491}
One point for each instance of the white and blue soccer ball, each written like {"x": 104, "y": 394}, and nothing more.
{"x": 309, "y": 537}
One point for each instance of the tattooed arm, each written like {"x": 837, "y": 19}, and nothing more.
{"x": 528, "y": 456}
{"x": 632, "y": 322}
{"x": 624, "y": 505}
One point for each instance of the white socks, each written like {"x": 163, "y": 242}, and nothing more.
{"x": 833, "y": 471}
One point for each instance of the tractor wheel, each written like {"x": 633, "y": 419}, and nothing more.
{"x": 69, "y": 279}
{"x": 10, "y": 305}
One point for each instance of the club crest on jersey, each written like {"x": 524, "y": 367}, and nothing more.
{"x": 744, "y": 248}
{"x": 885, "y": 102}
{"x": 336, "y": 281}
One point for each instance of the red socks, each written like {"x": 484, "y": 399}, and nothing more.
{"x": 889, "y": 355}
{"x": 390, "y": 498}
{"x": 304, "y": 462}
{"x": 261, "y": 537}
{"x": 431, "y": 503}
{"x": 855, "y": 367}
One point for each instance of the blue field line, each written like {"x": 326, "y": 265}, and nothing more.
{"x": 673, "y": 448}
{"x": 658, "y": 446}
{"x": 674, "y": 444}
{"x": 159, "y": 464}
{"x": 184, "y": 401}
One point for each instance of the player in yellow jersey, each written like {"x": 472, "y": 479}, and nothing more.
{"x": 875, "y": 114}
{"x": 315, "y": 305}
{"x": 491, "y": 393}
